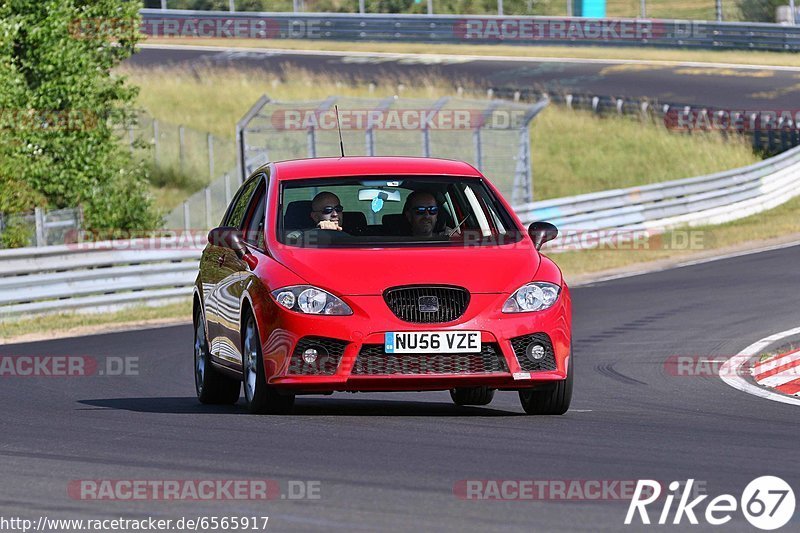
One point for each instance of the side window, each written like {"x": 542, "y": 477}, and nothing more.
{"x": 254, "y": 227}
{"x": 238, "y": 209}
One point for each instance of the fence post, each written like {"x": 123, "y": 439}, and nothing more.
{"x": 181, "y": 146}
{"x": 163, "y": 4}
{"x": 210, "y": 156}
{"x": 186, "y": 223}
{"x": 426, "y": 142}
{"x": 131, "y": 137}
{"x": 155, "y": 141}
{"x": 228, "y": 195}
{"x": 476, "y": 139}
{"x": 38, "y": 215}
{"x": 311, "y": 137}
{"x": 232, "y": 6}
{"x": 208, "y": 208}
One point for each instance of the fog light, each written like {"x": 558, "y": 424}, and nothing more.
{"x": 310, "y": 356}
{"x": 535, "y": 352}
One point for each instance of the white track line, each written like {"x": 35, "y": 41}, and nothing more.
{"x": 730, "y": 371}
{"x": 463, "y": 58}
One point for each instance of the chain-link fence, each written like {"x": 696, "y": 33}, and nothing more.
{"x": 40, "y": 228}
{"x": 493, "y": 135}
{"x": 179, "y": 155}
{"x": 725, "y": 10}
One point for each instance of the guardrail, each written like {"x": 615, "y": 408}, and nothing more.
{"x": 711, "y": 199}
{"x": 106, "y": 276}
{"x": 523, "y": 30}
{"x": 103, "y": 277}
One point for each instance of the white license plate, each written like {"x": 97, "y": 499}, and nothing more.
{"x": 433, "y": 342}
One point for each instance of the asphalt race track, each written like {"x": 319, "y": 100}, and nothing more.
{"x": 737, "y": 89}
{"x": 389, "y": 462}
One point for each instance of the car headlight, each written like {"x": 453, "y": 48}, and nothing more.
{"x": 536, "y": 296}
{"x": 311, "y": 301}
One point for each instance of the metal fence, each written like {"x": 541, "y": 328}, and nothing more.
{"x": 186, "y": 156}
{"x": 98, "y": 277}
{"x": 40, "y": 228}
{"x": 460, "y": 29}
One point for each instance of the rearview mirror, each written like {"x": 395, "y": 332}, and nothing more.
{"x": 228, "y": 237}
{"x": 542, "y": 232}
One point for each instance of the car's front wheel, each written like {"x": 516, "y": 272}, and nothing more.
{"x": 212, "y": 387}
{"x": 552, "y": 400}
{"x": 259, "y": 397}
{"x": 472, "y": 395}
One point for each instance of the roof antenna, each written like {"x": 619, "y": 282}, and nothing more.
{"x": 339, "y": 127}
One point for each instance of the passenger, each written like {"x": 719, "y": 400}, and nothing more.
{"x": 327, "y": 211}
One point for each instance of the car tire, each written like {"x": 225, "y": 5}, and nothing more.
{"x": 472, "y": 396}
{"x": 212, "y": 387}
{"x": 260, "y": 398}
{"x": 553, "y": 400}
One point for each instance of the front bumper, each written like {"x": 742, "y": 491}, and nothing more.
{"x": 362, "y": 334}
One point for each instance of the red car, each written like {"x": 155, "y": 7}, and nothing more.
{"x": 379, "y": 274}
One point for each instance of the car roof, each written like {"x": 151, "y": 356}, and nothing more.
{"x": 324, "y": 167}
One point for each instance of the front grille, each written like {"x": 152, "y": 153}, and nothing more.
{"x": 546, "y": 363}
{"x": 331, "y": 351}
{"x": 451, "y": 302}
{"x": 373, "y": 360}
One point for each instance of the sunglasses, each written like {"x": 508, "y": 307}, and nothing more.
{"x": 328, "y": 209}
{"x": 420, "y": 210}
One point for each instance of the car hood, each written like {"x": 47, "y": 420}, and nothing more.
{"x": 351, "y": 272}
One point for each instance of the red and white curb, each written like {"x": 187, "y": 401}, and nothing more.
{"x": 777, "y": 376}
{"x": 781, "y": 373}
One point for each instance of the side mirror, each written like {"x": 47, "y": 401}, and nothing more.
{"x": 228, "y": 237}
{"x": 542, "y": 232}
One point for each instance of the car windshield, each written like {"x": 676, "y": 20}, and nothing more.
{"x": 369, "y": 211}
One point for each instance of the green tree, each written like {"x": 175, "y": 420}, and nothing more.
{"x": 62, "y": 106}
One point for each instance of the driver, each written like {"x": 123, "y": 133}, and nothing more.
{"x": 327, "y": 211}
{"x": 422, "y": 212}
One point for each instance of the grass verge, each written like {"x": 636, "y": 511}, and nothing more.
{"x": 524, "y": 51}
{"x": 71, "y": 324}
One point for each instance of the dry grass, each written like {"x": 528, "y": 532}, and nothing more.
{"x": 64, "y": 323}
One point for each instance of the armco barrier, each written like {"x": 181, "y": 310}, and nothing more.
{"x": 472, "y": 29}
{"x": 712, "y": 199}
{"x": 101, "y": 278}
{"x": 107, "y": 276}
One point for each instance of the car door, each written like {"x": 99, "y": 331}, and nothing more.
{"x": 226, "y": 274}
{"x": 230, "y": 296}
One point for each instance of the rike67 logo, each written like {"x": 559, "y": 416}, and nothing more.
{"x": 767, "y": 502}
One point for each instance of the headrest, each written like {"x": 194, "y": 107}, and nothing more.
{"x": 298, "y": 215}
